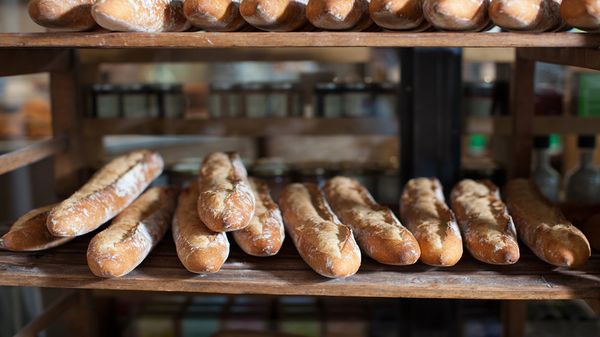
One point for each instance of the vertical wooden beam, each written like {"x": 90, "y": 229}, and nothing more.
{"x": 514, "y": 317}
{"x": 522, "y": 110}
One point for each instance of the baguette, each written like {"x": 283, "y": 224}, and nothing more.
{"x": 275, "y": 15}
{"x": 378, "y": 232}
{"x": 324, "y": 243}
{"x": 199, "y": 249}
{"x": 457, "y": 15}
{"x": 339, "y": 14}
{"x": 526, "y": 15}
{"x": 488, "y": 230}
{"x": 582, "y": 14}
{"x": 62, "y": 15}
{"x": 29, "y": 233}
{"x": 106, "y": 194}
{"x": 214, "y": 15}
{"x": 140, "y": 15}
{"x": 264, "y": 236}
{"x": 399, "y": 14}
{"x": 424, "y": 212}
{"x": 120, "y": 248}
{"x": 226, "y": 202}
{"x": 543, "y": 227}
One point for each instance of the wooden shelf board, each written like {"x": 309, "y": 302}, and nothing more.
{"x": 542, "y": 125}
{"x": 295, "y": 39}
{"x": 248, "y": 127}
{"x": 31, "y": 153}
{"x": 287, "y": 274}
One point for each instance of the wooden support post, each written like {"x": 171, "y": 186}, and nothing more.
{"x": 514, "y": 316}
{"x": 522, "y": 110}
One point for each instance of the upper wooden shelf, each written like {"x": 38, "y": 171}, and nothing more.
{"x": 295, "y": 39}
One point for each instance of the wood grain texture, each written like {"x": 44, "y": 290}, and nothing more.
{"x": 297, "y": 39}
{"x": 287, "y": 274}
{"x": 31, "y": 154}
{"x": 579, "y": 57}
{"x": 21, "y": 61}
{"x": 522, "y": 110}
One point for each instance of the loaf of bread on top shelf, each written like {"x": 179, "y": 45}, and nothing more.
{"x": 275, "y": 15}
{"x": 339, "y": 14}
{"x": 324, "y": 243}
{"x": 543, "y": 228}
{"x": 140, "y": 15}
{"x": 581, "y": 14}
{"x": 526, "y": 15}
{"x": 487, "y": 229}
{"x": 215, "y": 15}
{"x": 424, "y": 212}
{"x": 106, "y": 194}
{"x": 457, "y": 15}
{"x": 29, "y": 233}
{"x": 62, "y": 15}
{"x": 378, "y": 232}
{"x": 133, "y": 233}
{"x": 399, "y": 14}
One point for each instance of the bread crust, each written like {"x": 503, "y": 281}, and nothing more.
{"x": 226, "y": 202}
{"x": 323, "y": 242}
{"x": 265, "y": 234}
{"x": 214, "y": 15}
{"x": 133, "y": 233}
{"x": 62, "y": 15}
{"x": 199, "y": 249}
{"x": 424, "y": 212}
{"x": 543, "y": 228}
{"x": 526, "y": 15}
{"x": 582, "y": 14}
{"x": 276, "y": 16}
{"x": 29, "y": 233}
{"x": 457, "y": 15}
{"x": 140, "y": 15}
{"x": 487, "y": 229}
{"x": 399, "y": 14}
{"x": 339, "y": 14}
{"x": 378, "y": 232}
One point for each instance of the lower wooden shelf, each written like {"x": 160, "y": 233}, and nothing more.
{"x": 287, "y": 274}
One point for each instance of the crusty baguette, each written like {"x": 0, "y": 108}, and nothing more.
{"x": 29, "y": 233}
{"x": 106, "y": 194}
{"x": 214, "y": 15}
{"x": 226, "y": 202}
{"x": 526, "y": 15}
{"x": 324, "y": 243}
{"x": 457, "y": 15}
{"x": 199, "y": 249}
{"x": 133, "y": 233}
{"x": 399, "y": 14}
{"x": 264, "y": 236}
{"x": 543, "y": 228}
{"x": 487, "y": 229}
{"x": 275, "y": 15}
{"x": 62, "y": 15}
{"x": 591, "y": 229}
{"x": 424, "y": 212}
{"x": 140, "y": 15}
{"x": 582, "y": 14}
{"x": 339, "y": 14}
{"x": 378, "y": 232}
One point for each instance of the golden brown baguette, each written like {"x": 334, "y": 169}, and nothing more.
{"x": 487, "y": 229}
{"x": 62, "y": 15}
{"x": 214, "y": 15}
{"x": 324, "y": 243}
{"x": 29, "y": 233}
{"x": 140, "y": 15}
{"x": 582, "y": 14}
{"x": 543, "y": 228}
{"x": 275, "y": 15}
{"x": 378, "y": 232}
{"x": 226, "y": 202}
{"x": 591, "y": 229}
{"x": 106, "y": 194}
{"x": 133, "y": 233}
{"x": 199, "y": 249}
{"x": 457, "y": 15}
{"x": 424, "y": 212}
{"x": 399, "y": 14}
{"x": 526, "y": 15}
{"x": 339, "y": 14}
{"x": 264, "y": 236}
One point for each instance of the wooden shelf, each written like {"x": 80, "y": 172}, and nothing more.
{"x": 32, "y": 153}
{"x": 287, "y": 274}
{"x": 542, "y": 125}
{"x": 295, "y": 39}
